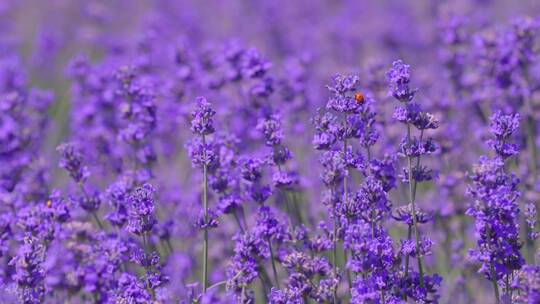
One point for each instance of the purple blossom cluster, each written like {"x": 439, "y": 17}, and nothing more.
{"x": 363, "y": 152}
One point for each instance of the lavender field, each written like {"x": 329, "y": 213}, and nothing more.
{"x": 269, "y": 151}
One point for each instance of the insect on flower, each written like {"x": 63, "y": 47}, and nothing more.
{"x": 359, "y": 97}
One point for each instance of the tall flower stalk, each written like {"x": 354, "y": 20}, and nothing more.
{"x": 496, "y": 209}
{"x": 271, "y": 127}
{"x": 205, "y": 231}
{"x": 334, "y": 127}
{"x": 201, "y": 126}
{"x": 412, "y": 148}
{"x": 523, "y": 40}
{"x": 72, "y": 161}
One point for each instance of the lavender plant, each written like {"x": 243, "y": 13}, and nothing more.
{"x": 496, "y": 209}
{"x": 412, "y": 148}
{"x": 120, "y": 183}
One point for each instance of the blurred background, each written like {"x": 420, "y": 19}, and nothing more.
{"x": 339, "y": 36}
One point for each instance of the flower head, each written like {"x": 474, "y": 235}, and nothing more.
{"x": 141, "y": 209}
{"x": 71, "y": 159}
{"x": 398, "y": 81}
{"x": 202, "y": 122}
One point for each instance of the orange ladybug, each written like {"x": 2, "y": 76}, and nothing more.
{"x": 49, "y": 204}
{"x": 359, "y": 97}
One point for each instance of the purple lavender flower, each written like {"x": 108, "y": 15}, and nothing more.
{"x": 141, "y": 203}
{"x": 29, "y": 272}
{"x": 117, "y": 194}
{"x": 244, "y": 269}
{"x": 371, "y": 201}
{"x": 207, "y": 221}
{"x": 131, "y": 290}
{"x": 202, "y": 122}
{"x": 203, "y": 153}
{"x": 253, "y": 65}
{"x": 251, "y": 169}
{"x": 531, "y": 219}
{"x": 327, "y": 131}
{"x": 399, "y": 78}
{"x": 527, "y": 284}
{"x": 334, "y": 168}
{"x": 138, "y": 107}
{"x": 272, "y": 130}
{"x": 59, "y": 206}
{"x": 496, "y": 210}
{"x": 72, "y": 161}
{"x": 284, "y": 297}
{"x": 412, "y": 148}
{"x": 502, "y": 127}
{"x": 344, "y": 100}
{"x": 269, "y": 227}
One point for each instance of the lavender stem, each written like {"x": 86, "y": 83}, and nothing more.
{"x": 413, "y": 210}
{"x": 276, "y": 278}
{"x": 205, "y": 232}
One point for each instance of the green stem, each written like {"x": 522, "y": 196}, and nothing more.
{"x": 265, "y": 281}
{"x": 224, "y": 282}
{"x": 345, "y": 197}
{"x": 495, "y": 285}
{"x": 349, "y": 277}
{"x": 205, "y": 231}
{"x": 93, "y": 213}
{"x": 96, "y": 218}
{"x": 289, "y": 212}
{"x": 146, "y": 248}
{"x": 297, "y": 208}
{"x": 263, "y": 276}
{"x": 415, "y": 183}
{"x": 238, "y": 222}
{"x": 531, "y": 128}
{"x": 144, "y": 241}
{"x": 274, "y": 270}
{"x": 507, "y": 284}
{"x": 413, "y": 211}
{"x": 409, "y": 234}
{"x": 531, "y": 142}
{"x": 169, "y": 245}
{"x": 292, "y": 210}
{"x": 533, "y": 153}
{"x": 243, "y": 294}
{"x": 334, "y": 251}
